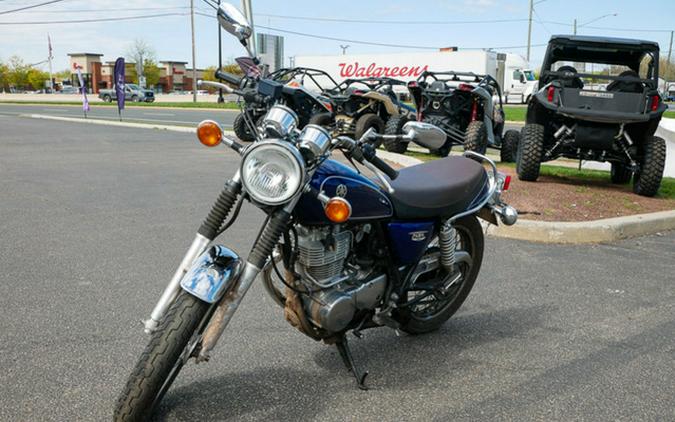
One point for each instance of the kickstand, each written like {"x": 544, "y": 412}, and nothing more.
{"x": 348, "y": 359}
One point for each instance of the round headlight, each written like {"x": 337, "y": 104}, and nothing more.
{"x": 272, "y": 172}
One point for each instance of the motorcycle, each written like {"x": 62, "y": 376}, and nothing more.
{"x": 339, "y": 251}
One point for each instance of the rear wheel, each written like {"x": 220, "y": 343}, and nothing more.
{"x": 162, "y": 359}
{"x": 476, "y": 137}
{"x": 647, "y": 179}
{"x": 107, "y": 98}
{"x": 241, "y": 129}
{"x": 366, "y": 122}
{"x": 395, "y": 127}
{"x": 621, "y": 173}
{"x": 509, "y": 146}
{"x": 430, "y": 311}
{"x": 135, "y": 99}
{"x": 530, "y": 151}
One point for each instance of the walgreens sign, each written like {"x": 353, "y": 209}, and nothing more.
{"x": 373, "y": 70}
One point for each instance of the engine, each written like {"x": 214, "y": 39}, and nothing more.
{"x": 337, "y": 287}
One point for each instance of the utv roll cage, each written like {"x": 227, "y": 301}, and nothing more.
{"x": 288, "y": 74}
{"x": 372, "y": 84}
{"x": 484, "y": 81}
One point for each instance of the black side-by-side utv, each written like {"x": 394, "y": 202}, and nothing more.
{"x": 573, "y": 115}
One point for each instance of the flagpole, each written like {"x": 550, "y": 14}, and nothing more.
{"x": 51, "y": 76}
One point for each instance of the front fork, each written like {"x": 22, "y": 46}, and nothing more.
{"x": 207, "y": 232}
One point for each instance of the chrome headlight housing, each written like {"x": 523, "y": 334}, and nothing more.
{"x": 272, "y": 172}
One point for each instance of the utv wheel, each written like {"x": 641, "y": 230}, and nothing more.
{"x": 509, "y": 146}
{"x": 367, "y": 121}
{"x": 107, "y": 98}
{"x": 443, "y": 151}
{"x": 648, "y": 178}
{"x": 530, "y": 150}
{"x": 395, "y": 127}
{"x": 439, "y": 307}
{"x": 241, "y": 129}
{"x": 322, "y": 119}
{"x": 621, "y": 173}
{"x": 476, "y": 137}
{"x": 161, "y": 361}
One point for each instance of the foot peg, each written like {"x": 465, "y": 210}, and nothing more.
{"x": 348, "y": 359}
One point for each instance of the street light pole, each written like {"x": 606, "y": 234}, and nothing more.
{"x": 220, "y": 57}
{"x": 529, "y": 30}
{"x": 194, "y": 65}
{"x": 344, "y": 49}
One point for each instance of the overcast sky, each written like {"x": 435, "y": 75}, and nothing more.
{"x": 170, "y": 35}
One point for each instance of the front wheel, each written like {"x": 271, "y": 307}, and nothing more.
{"x": 647, "y": 179}
{"x": 241, "y": 129}
{"x": 509, "y": 146}
{"x": 395, "y": 127}
{"x": 476, "y": 137}
{"x": 530, "y": 151}
{"x": 161, "y": 360}
{"x": 430, "y": 311}
{"x": 621, "y": 173}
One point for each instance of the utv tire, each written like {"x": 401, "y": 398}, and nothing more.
{"x": 471, "y": 233}
{"x": 509, "y": 146}
{"x": 324, "y": 120}
{"x": 395, "y": 127}
{"x": 647, "y": 179}
{"x": 241, "y": 129}
{"x": 621, "y": 173}
{"x": 530, "y": 150}
{"x": 476, "y": 137}
{"x": 367, "y": 121}
{"x": 160, "y": 362}
{"x": 443, "y": 151}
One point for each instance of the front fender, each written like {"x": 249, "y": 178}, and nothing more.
{"x": 211, "y": 275}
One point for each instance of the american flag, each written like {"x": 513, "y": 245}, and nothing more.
{"x": 49, "y": 41}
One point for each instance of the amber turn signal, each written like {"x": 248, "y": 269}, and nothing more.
{"x": 209, "y": 133}
{"x": 338, "y": 210}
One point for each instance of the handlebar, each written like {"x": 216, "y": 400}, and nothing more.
{"x": 228, "y": 77}
{"x": 370, "y": 155}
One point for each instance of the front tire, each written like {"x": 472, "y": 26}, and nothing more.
{"x": 395, "y": 127}
{"x": 530, "y": 151}
{"x": 161, "y": 360}
{"x": 107, "y": 98}
{"x": 647, "y": 179}
{"x": 241, "y": 129}
{"x": 367, "y": 121}
{"x": 509, "y": 146}
{"x": 621, "y": 173}
{"x": 471, "y": 240}
{"x": 476, "y": 137}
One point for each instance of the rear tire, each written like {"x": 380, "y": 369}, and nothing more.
{"x": 160, "y": 362}
{"x": 621, "y": 173}
{"x": 241, "y": 129}
{"x": 530, "y": 151}
{"x": 107, "y": 98}
{"x": 647, "y": 179}
{"x": 395, "y": 127}
{"x": 135, "y": 99}
{"x": 367, "y": 121}
{"x": 471, "y": 235}
{"x": 476, "y": 137}
{"x": 509, "y": 146}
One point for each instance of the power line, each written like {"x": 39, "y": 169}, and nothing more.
{"x": 159, "y": 15}
{"x": 126, "y": 9}
{"x": 387, "y": 22}
{"x": 30, "y": 7}
{"x": 605, "y": 28}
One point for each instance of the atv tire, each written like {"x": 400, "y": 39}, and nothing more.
{"x": 509, "y": 146}
{"x": 476, "y": 137}
{"x": 241, "y": 129}
{"x": 367, "y": 121}
{"x": 530, "y": 151}
{"x": 621, "y": 173}
{"x": 647, "y": 179}
{"x": 324, "y": 120}
{"x": 395, "y": 127}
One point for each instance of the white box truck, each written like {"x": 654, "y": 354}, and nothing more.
{"x": 511, "y": 70}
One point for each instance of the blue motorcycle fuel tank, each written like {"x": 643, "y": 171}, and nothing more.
{"x": 367, "y": 199}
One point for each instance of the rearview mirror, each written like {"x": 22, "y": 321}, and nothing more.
{"x": 234, "y": 22}
{"x": 425, "y": 134}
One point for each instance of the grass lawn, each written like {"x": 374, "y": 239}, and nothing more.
{"x": 517, "y": 114}
{"x": 226, "y": 105}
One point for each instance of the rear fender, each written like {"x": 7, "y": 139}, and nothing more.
{"x": 212, "y": 274}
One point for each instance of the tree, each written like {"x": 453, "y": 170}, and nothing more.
{"x": 36, "y": 78}
{"x": 4, "y": 77}
{"x": 138, "y": 52}
{"x": 209, "y": 73}
{"x": 18, "y": 72}
{"x": 151, "y": 72}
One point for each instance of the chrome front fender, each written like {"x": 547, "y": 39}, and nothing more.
{"x": 212, "y": 274}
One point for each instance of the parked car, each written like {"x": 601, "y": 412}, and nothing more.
{"x": 463, "y": 105}
{"x": 567, "y": 118}
{"x": 132, "y": 92}
{"x": 68, "y": 89}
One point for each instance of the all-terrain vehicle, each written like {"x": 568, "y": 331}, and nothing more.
{"x": 572, "y": 116}
{"x": 361, "y": 104}
{"x": 463, "y": 105}
{"x": 301, "y": 92}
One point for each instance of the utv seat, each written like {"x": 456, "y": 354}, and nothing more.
{"x": 439, "y": 188}
{"x": 572, "y": 81}
{"x": 627, "y": 85}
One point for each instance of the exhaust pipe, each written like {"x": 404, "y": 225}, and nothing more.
{"x": 507, "y": 214}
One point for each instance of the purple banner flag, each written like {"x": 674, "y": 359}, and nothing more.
{"x": 83, "y": 88}
{"x": 119, "y": 78}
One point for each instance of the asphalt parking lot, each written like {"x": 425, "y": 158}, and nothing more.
{"x": 94, "y": 220}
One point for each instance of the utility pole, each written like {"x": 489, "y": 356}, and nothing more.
{"x": 670, "y": 51}
{"x": 194, "y": 65}
{"x": 529, "y": 30}
{"x": 344, "y": 48}
{"x": 220, "y": 57}
{"x": 575, "y": 26}
{"x": 248, "y": 13}
{"x": 51, "y": 56}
